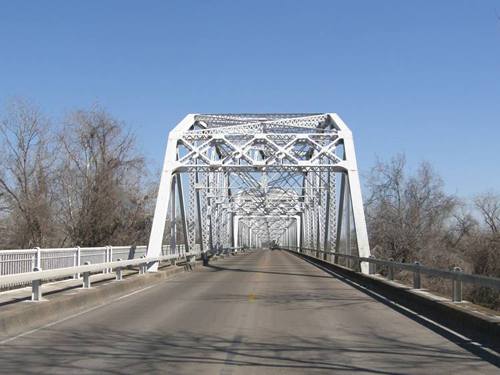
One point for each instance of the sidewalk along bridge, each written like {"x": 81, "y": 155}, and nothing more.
{"x": 281, "y": 192}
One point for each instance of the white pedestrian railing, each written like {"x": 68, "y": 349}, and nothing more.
{"x": 15, "y": 262}
{"x": 36, "y": 276}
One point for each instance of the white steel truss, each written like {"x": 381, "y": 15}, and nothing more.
{"x": 260, "y": 180}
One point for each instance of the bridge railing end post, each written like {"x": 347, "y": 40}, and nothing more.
{"x": 86, "y": 278}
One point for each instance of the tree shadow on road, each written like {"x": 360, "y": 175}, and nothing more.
{"x": 98, "y": 350}
{"x": 220, "y": 268}
{"x": 301, "y": 300}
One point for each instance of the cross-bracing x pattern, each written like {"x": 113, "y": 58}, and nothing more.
{"x": 258, "y": 180}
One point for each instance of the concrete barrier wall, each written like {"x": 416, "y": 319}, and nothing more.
{"x": 458, "y": 317}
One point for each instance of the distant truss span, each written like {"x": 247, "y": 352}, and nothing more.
{"x": 260, "y": 180}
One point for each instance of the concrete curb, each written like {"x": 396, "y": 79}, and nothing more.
{"x": 24, "y": 316}
{"x": 472, "y": 324}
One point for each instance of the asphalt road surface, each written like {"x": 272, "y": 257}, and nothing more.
{"x": 266, "y": 312}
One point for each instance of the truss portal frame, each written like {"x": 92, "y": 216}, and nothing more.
{"x": 260, "y": 180}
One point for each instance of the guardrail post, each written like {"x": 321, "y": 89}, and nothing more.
{"x": 142, "y": 267}
{"x": 119, "y": 272}
{"x": 416, "y": 276}
{"x": 86, "y": 278}
{"x": 457, "y": 286}
{"x": 78, "y": 258}
{"x": 36, "y": 287}
{"x": 390, "y": 270}
{"x": 372, "y": 267}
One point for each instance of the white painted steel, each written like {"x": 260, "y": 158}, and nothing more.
{"x": 36, "y": 276}
{"x": 68, "y": 271}
{"x": 13, "y": 262}
{"x": 260, "y": 180}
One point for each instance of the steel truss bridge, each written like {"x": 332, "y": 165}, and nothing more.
{"x": 320, "y": 303}
{"x": 258, "y": 180}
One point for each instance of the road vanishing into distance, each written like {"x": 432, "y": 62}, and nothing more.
{"x": 266, "y": 312}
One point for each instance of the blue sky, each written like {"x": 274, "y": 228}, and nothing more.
{"x": 419, "y": 77}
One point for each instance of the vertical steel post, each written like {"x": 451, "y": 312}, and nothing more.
{"x": 86, "y": 278}
{"x": 318, "y": 231}
{"x": 340, "y": 217}
{"x": 347, "y": 203}
{"x": 198, "y": 208}
{"x": 317, "y": 217}
{"x": 390, "y": 270}
{"x": 180, "y": 192}
{"x": 457, "y": 286}
{"x": 416, "y": 276}
{"x": 119, "y": 272}
{"x": 161, "y": 208}
{"x": 327, "y": 217}
{"x": 36, "y": 288}
{"x": 173, "y": 224}
{"x": 372, "y": 266}
{"x": 142, "y": 267}
{"x": 355, "y": 191}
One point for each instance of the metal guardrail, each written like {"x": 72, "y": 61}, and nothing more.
{"x": 456, "y": 276}
{"x": 36, "y": 276}
{"x": 66, "y": 262}
{"x": 26, "y": 260}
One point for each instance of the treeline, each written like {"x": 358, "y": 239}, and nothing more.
{"x": 410, "y": 218}
{"x": 81, "y": 182}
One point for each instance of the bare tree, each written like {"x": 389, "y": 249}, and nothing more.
{"x": 488, "y": 205}
{"x": 406, "y": 215}
{"x": 462, "y": 227}
{"x": 412, "y": 218}
{"x": 25, "y": 177}
{"x": 101, "y": 182}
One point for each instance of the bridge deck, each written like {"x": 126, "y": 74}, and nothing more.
{"x": 265, "y": 312}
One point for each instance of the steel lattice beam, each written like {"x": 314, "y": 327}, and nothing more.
{"x": 260, "y": 180}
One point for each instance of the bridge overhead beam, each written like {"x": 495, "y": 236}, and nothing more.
{"x": 252, "y": 177}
